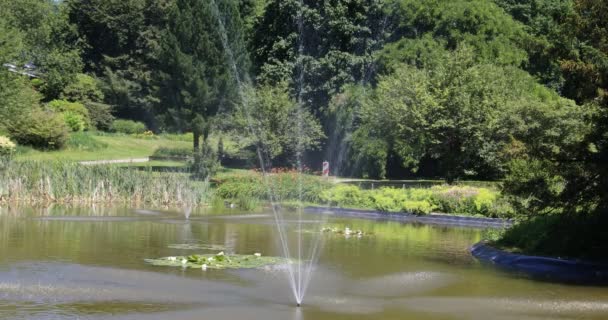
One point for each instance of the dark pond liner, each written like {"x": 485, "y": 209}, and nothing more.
{"x": 543, "y": 268}
{"x": 438, "y": 219}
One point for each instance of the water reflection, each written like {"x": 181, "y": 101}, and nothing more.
{"x": 63, "y": 263}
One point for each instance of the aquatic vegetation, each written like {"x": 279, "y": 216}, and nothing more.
{"x": 47, "y": 182}
{"x": 218, "y": 261}
{"x": 347, "y": 232}
{"x": 462, "y": 200}
{"x": 195, "y": 246}
{"x": 281, "y": 184}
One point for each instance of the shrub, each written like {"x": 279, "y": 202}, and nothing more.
{"x": 345, "y": 195}
{"x": 75, "y": 114}
{"x": 7, "y": 147}
{"x": 74, "y": 121}
{"x": 128, "y": 126}
{"x": 417, "y": 207}
{"x": 282, "y": 186}
{"x": 384, "y": 203}
{"x": 447, "y": 199}
{"x": 84, "y": 88}
{"x": 173, "y": 152}
{"x": 100, "y": 115}
{"x": 205, "y": 163}
{"x": 40, "y": 129}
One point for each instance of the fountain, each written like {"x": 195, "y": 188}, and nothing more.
{"x": 300, "y": 272}
{"x": 297, "y": 282}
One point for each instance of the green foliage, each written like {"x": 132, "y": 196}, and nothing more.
{"x": 417, "y": 207}
{"x": 84, "y": 141}
{"x": 100, "y": 115}
{"x": 217, "y": 261}
{"x": 493, "y": 35}
{"x": 75, "y": 114}
{"x": 74, "y": 121}
{"x": 557, "y": 235}
{"x": 462, "y": 115}
{"x": 467, "y": 200}
{"x": 128, "y": 126}
{"x": 49, "y": 41}
{"x": 280, "y": 128}
{"x": 282, "y": 185}
{"x": 196, "y": 80}
{"x": 40, "y": 129}
{"x": 17, "y": 99}
{"x": 287, "y": 45}
{"x": 205, "y": 163}
{"x": 460, "y": 200}
{"x": 173, "y": 152}
{"x": 121, "y": 47}
{"x": 84, "y": 89}
{"x": 345, "y": 195}
{"x": 7, "y": 147}
{"x": 47, "y": 182}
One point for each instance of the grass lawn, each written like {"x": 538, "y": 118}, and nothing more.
{"x": 117, "y": 147}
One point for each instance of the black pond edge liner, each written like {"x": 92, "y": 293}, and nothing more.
{"x": 576, "y": 272}
{"x": 436, "y": 219}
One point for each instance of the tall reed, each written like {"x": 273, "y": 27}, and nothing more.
{"x": 43, "y": 182}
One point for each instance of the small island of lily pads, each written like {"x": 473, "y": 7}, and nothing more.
{"x": 347, "y": 232}
{"x": 218, "y": 261}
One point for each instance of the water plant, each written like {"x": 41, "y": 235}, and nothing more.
{"x": 38, "y": 182}
{"x": 463, "y": 200}
{"x": 217, "y": 261}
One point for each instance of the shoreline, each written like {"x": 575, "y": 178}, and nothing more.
{"x": 570, "y": 271}
{"x": 434, "y": 218}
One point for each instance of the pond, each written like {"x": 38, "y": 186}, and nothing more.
{"x": 89, "y": 264}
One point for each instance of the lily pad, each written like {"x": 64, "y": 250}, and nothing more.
{"x": 218, "y": 261}
{"x": 195, "y": 246}
{"x": 347, "y": 232}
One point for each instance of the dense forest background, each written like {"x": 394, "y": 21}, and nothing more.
{"x": 514, "y": 90}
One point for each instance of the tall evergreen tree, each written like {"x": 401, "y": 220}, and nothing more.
{"x": 318, "y": 45}
{"x": 197, "y": 80}
{"x": 121, "y": 46}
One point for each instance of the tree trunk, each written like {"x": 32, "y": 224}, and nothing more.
{"x": 196, "y": 139}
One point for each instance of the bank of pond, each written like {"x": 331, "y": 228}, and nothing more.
{"x": 42, "y": 183}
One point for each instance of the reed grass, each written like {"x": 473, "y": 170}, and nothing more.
{"x": 47, "y": 182}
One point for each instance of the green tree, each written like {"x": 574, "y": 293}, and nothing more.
{"x": 287, "y": 45}
{"x": 50, "y": 41}
{"x": 197, "y": 81}
{"x": 462, "y": 114}
{"x": 278, "y": 127}
{"x": 573, "y": 178}
{"x": 423, "y": 27}
{"x": 121, "y": 47}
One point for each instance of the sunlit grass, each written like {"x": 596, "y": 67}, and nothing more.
{"x": 116, "y": 147}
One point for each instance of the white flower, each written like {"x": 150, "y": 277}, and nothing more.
{"x": 172, "y": 258}
{"x": 220, "y": 254}
{"x": 184, "y": 261}
{"x": 204, "y": 267}
{"x": 257, "y": 254}
{"x": 210, "y": 259}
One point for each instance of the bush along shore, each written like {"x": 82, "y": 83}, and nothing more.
{"x": 51, "y": 182}
{"x": 247, "y": 189}
{"x": 40, "y": 183}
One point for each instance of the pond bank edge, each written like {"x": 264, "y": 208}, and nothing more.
{"x": 437, "y": 219}
{"x": 543, "y": 268}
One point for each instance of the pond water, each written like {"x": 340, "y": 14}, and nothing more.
{"x": 89, "y": 264}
